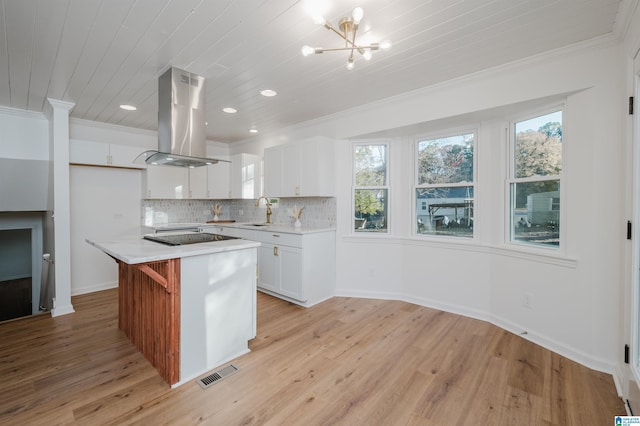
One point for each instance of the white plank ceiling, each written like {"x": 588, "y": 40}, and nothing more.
{"x": 103, "y": 53}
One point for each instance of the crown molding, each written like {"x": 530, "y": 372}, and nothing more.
{"x": 22, "y": 113}
{"x": 109, "y": 126}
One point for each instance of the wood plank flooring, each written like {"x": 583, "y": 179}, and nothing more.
{"x": 344, "y": 362}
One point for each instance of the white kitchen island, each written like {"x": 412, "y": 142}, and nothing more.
{"x": 190, "y": 308}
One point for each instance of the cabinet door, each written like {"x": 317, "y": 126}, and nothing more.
{"x": 291, "y": 272}
{"x": 104, "y": 154}
{"x": 317, "y": 171}
{"x": 85, "y": 152}
{"x": 198, "y": 182}
{"x": 268, "y": 267}
{"x": 273, "y": 172}
{"x": 123, "y": 156}
{"x": 218, "y": 180}
{"x": 300, "y": 169}
{"x": 291, "y": 170}
{"x": 167, "y": 182}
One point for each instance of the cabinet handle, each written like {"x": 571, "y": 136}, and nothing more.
{"x": 275, "y": 251}
{"x": 275, "y": 235}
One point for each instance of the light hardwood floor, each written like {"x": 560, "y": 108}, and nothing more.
{"x": 346, "y": 361}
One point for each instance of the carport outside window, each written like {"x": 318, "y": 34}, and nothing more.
{"x": 444, "y": 191}
{"x": 535, "y": 183}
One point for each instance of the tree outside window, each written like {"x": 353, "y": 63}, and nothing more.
{"x": 535, "y": 185}
{"x": 370, "y": 188}
{"x": 444, "y": 191}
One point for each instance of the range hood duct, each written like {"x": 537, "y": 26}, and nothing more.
{"x": 181, "y": 121}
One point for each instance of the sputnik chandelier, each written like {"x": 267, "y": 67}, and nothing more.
{"x": 348, "y": 27}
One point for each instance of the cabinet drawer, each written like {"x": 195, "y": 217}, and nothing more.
{"x": 230, "y": 231}
{"x": 279, "y": 238}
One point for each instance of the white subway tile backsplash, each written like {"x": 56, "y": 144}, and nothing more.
{"x": 319, "y": 212}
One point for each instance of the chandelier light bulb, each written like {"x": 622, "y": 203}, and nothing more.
{"x": 350, "y": 64}
{"x": 307, "y": 50}
{"x": 357, "y": 15}
{"x": 319, "y": 20}
{"x": 367, "y": 55}
{"x": 386, "y": 44}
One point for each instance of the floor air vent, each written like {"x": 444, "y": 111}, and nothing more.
{"x": 216, "y": 376}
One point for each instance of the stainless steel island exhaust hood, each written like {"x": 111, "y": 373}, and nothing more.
{"x": 181, "y": 121}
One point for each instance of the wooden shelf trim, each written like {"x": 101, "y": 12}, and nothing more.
{"x": 145, "y": 269}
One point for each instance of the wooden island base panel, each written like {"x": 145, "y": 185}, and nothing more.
{"x": 149, "y": 312}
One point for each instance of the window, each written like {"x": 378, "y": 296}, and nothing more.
{"x": 371, "y": 190}
{"x": 445, "y": 186}
{"x": 535, "y": 180}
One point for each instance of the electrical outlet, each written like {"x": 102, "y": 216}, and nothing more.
{"x": 526, "y": 300}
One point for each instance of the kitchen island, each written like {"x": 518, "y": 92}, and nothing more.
{"x": 187, "y": 308}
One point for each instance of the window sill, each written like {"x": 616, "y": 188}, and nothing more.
{"x": 470, "y": 246}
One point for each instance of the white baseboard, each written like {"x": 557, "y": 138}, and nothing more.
{"x": 93, "y": 288}
{"x": 62, "y": 310}
{"x": 550, "y": 344}
{"x": 578, "y": 356}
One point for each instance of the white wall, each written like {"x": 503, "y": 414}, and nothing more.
{"x": 575, "y": 294}
{"x": 25, "y": 135}
{"x": 106, "y": 202}
{"x": 24, "y": 161}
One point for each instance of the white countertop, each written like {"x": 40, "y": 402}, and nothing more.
{"x": 133, "y": 250}
{"x": 281, "y": 228}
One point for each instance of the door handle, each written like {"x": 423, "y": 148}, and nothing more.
{"x": 275, "y": 251}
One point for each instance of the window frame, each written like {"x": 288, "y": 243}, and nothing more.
{"x": 387, "y": 187}
{"x": 459, "y": 131}
{"x": 509, "y": 228}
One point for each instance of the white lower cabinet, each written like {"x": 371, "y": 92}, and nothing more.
{"x": 280, "y": 270}
{"x": 299, "y": 268}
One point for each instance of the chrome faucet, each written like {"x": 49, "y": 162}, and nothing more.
{"x": 268, "y": 204}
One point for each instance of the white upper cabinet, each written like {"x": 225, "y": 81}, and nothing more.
{"x": 218, "y": 181}
{"x": 238, "y": 179}
{"x": 162, "y": 182}
{"x": 198, "y": 177}
{"x": 273, "y": 172}
{"x": 167, "y": 182}
{"x": 104, "y": 154}
{"x": 246, "y": 172}
{"x": 301, "y": 169}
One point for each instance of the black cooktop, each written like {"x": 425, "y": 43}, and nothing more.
{"x": 182, "y": 239}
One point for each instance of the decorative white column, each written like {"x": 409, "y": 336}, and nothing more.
{"x": 59, "y": 153}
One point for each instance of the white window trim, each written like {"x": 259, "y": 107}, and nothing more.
{"x": 474, "y": 184}
{"x": 371, "y": 234}
{"x": 538, "y": 249}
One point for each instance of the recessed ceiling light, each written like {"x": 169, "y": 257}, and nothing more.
{"x": 268, "y": 93}
{"x": 230, "y": 110}
{"x": 128, "y": 107}
{"x": 253, "y": 130}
